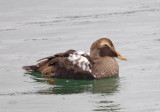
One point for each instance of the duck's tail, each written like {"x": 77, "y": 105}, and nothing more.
{"x": 31, "y": 68}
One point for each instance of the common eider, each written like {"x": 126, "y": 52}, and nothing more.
{"x": 72, "y": 64}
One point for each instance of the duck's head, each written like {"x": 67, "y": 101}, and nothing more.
{"x": 104, "y": 47}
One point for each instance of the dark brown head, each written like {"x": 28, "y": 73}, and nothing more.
{"x": 104, "y": 47}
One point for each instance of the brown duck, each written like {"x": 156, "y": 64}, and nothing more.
{"x": 72, "y": 64}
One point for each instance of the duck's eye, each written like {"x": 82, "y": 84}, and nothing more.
{"x": 106, "y": 45}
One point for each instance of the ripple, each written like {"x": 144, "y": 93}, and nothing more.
{"x": 108, "y": 106}
{"x": 6, "y": 29}
{"x": 87, "y": 18}
{"x": 157, "y": 39}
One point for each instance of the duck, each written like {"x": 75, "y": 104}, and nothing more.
{"x": 99, "y": 63}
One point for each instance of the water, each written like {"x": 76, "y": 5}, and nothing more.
{"x": 30, "y": 30}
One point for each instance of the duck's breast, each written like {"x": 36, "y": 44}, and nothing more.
{"x": 105, "y": 67}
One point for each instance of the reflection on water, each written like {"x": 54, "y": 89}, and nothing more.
{"x": 102, "y": 88}
{"x": 70, "y": 86}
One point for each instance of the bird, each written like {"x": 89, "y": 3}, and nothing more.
{"x": 99, "y": 63}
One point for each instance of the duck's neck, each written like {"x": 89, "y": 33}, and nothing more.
{"x": 95, "y": 54}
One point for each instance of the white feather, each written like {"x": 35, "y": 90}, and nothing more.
{"x": 83, "y": 66}
{"x": 82, "y": 62}
{"x": 80, "y": 52}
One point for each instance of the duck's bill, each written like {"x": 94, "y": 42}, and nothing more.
{"x": 119, "y": 56}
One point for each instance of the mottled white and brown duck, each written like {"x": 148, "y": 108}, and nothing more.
{"x": 72, "y": 64}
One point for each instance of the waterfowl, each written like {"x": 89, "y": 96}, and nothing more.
{"x": 72, "y": 64}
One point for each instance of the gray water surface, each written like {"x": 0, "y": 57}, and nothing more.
{"x": 33, "y": 29}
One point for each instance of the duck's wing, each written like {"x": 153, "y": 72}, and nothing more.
{"x": 75, "y": 65}
{"x": 70, "y": 64}
{"x": 43, "y": 64}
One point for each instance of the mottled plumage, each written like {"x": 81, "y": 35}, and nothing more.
{"x": 72, "y": 64}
